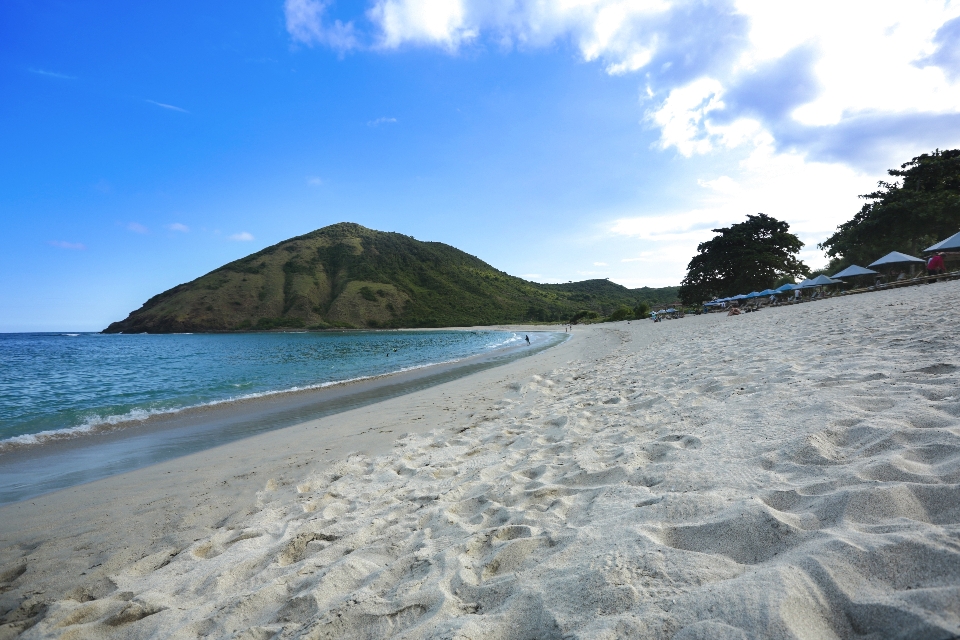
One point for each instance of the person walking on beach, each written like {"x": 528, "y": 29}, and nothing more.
{"x": 527, "y": 338}
{"x": 935, "y": 265}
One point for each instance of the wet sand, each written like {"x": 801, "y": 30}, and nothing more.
{"x": 792, "y": 473}
{"x": 32, "y": 470}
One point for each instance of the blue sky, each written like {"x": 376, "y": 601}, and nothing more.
{"x": 148, "y": 143}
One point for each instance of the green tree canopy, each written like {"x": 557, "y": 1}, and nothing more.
{"x": 744, "y": 257}
{"x": 903, "y": 217}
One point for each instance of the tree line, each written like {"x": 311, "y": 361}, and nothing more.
{"x": 904, "y": 215}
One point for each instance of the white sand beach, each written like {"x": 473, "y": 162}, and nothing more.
{"x": 792, "y": 473}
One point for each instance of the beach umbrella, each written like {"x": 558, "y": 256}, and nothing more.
{"x": 950, "y": 244}
{"x": 822, "y": 280}
{"x": 738, "y": 297}
{"x": 895, "y": 257}
{"x": 786, "y": 287}
{"x": 804, "y": 284}
{"x": 854, "y": 270}
{"x": 752, "y": 294}
{"x": 768, "y": 292}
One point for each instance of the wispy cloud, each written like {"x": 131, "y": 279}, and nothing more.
{"x": 136, "y": 227}
{"x": 243, "y": 236}
{"x": 380, "y": 121}
{"x": 314, "y": 181}
{"x": 600, "y": 264}
{"x": 77, "y": 246}
{"x": 51, "y": 74}
{"x": 720, "y": 75}
{"x": 531, "y": 276}
{"x": 306, "y": 25}
{"x": 167, "y": 106}
{"x": 176, "y": 226}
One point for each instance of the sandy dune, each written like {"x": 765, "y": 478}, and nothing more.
{"x": 793, "y": 473}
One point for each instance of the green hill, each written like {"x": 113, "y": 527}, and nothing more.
{"x": 348, "y": 276}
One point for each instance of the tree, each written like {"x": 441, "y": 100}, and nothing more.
{"x": 748, "y": 256}
{"x": 903, "y": 217}
{"x": 623, "y": 312}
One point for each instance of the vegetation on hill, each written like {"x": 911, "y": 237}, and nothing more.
{"x": 750, "y": 256}
{"x": 905, "y": 217}
{"x": 348, "y": 276}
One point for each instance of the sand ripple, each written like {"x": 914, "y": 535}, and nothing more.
{"x": 793, "y": 473}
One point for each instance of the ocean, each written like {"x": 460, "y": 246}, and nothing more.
{"x": 76, "y": 407}
{"x": 62, "y": 385}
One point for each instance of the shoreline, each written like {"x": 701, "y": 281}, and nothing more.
{"x": 659, "y": 480}
{"x": 127, "y": 517}
{"x": 32, "y": 469}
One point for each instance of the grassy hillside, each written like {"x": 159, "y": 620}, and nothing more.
{"x": 348, "y": 276}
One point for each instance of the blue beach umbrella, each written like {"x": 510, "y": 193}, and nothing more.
{"x": 853, "y": 271}
{"x": 950, "y": 244}
{"x": 822, "y": 280}
{"x": 895, "y": 257}
{"x": 785, "y": 287}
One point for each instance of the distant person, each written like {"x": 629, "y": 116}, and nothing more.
{"x": 902, "y": 276}
{"x": 935, "y": 265}
{"x": 734, "y": 311}
{"x": 527, "y": 338}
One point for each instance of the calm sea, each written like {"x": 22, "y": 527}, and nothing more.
{"x": 64, "y": 385}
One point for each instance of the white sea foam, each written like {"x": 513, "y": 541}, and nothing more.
{"x": 96, "y": 423}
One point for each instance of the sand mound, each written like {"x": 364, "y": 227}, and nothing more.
{"x": 793, "y": 473}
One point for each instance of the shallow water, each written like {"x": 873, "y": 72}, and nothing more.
{"x": 61, "y": 385}
{"x": 110, "y": 406}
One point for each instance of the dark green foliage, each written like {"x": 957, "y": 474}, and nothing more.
{"x": 367, "y": 294}
{"x": 744, "y": 257}
{"x": 641, "y": 311}
{"x": 903, "y": 217}
{"x": 604, "y": 296}
{"x": 298, "y": 266}
{"x": 623, "y": 312}
{"x": 265, "y": 324}
{"x": 241, "y": 266}
{"x": 584, "y": 314}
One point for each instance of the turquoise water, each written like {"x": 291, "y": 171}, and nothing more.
{"x": 65, "y": 385}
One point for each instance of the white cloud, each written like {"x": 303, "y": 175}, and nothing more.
{"x": 314, "y": 181}
{"x": 813, "y": 197}
{"x": 438, "y": 22}
{"x": 600, "y": 264}
{"x": 136, "y": 227}
{"x": 177, "y": 226}
{"x": 802, "y": 98}
{"x": 306, "y": 25}
{"x": 531, "y": 276}
{"x": 868, "y": 48}
{"x": 864, "y": 57}
{"x": 243, "y": 236}
{"x": 868, "y": 53}
{"x": 682, "y": 118}
{"x": 167, "y": 106}
{"x": 77, "y": 246}
{"x": 380, "y": 121}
